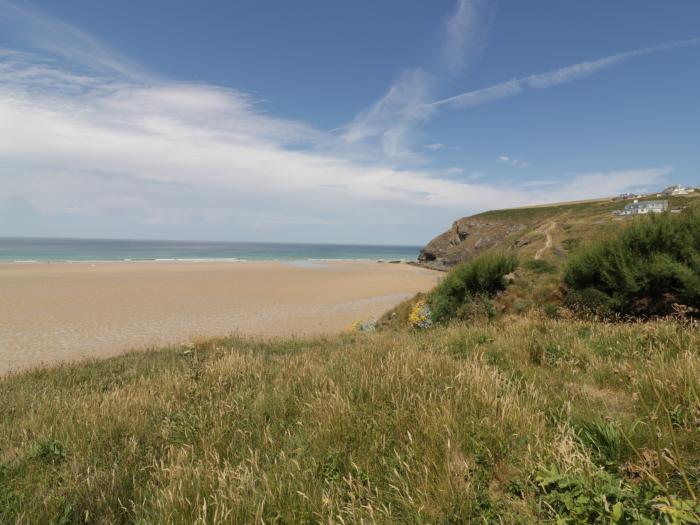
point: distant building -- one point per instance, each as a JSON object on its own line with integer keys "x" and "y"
{"x": 643, "y": 208}
{"x": 626, "y": 197}
{"x": 678, "y": 189}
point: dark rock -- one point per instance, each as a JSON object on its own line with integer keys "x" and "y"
{"x": 467, "y": 238}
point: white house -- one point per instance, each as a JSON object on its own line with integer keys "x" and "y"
{"x": 678, "y": 189}
{"x": 643, "y": 208}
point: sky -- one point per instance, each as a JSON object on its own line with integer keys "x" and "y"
{"x": 331, "y": 121}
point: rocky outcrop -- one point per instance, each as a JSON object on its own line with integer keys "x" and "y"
{"x": 467, "y": 238}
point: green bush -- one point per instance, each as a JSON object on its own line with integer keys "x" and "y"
{"x": 644, "y": 270}
{"x": 540, "y": 266}
{"x": 590, "y": 301}
{"x": 551, "y": 310}
{"x": 466, "y": 290}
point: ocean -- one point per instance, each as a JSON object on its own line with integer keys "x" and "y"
{"x": 69, "y": 250}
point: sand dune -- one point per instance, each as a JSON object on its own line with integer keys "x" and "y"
{"x": 68, "y": 311}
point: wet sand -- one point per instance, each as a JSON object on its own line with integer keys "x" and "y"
{"x": 52, "y": 312}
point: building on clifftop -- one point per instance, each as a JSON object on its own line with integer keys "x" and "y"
{"x": 678, "y": 189}
{"x": 643, "y": 208}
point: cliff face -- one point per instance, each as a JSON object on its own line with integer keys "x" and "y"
{"x": 534, "y": 232}
{"x": 467, "y": 238}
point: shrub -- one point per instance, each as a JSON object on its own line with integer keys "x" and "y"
{"x": 590, "y": 301}
{"x": 540, "y": 266}
{"x": 646, "y": 269}
{"x": 551, "y": 310}
{"x": 466, "y": 289}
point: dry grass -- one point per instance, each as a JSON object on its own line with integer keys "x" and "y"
{"x": 444, "y": 426}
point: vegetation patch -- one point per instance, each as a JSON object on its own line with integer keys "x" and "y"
{"x": 455, "y": 424}
{"x": 540, "y": 266}
{"x": 466, "y": 290}
{"x": 652, "y": 267}
{"x": 601, "y": 497}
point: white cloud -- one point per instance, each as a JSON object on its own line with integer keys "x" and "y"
{"x": 42, "y": 31}
{"x": 103, "y": 149}
{"x": 176, "y": 155}
{"x": 394, "y": 116}
{"x": 549, "y": 79}
{"x": 463, "y": 34}
{"x": 392, "y": 120}
{"x": 505, "y": 159}
{"x": 435, "y": 146}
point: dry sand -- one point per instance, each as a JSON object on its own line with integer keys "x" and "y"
{"x": 51, "y": 312}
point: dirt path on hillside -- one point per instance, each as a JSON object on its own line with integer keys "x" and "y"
{"x": 548, "y": 240}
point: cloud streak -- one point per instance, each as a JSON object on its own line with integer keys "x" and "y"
{"x": 44, "y": 32}
{"x": 551, "y": 78}
{"x": 92, "y": 146}
{"x": 393, "y": 119}
{"x": 463, "y": 35}
{"x": 126, "y": 158}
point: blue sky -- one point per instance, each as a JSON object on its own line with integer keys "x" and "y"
{"x": 329, "y": 121}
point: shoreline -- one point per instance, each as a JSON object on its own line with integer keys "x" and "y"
{"x": 55, "y": 312}
{"x": 201, "y": 260}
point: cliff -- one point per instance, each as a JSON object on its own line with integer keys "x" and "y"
{"x": 536, "y": 232}
{"x": 467, "y": 238}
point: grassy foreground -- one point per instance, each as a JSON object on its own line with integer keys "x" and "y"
{"x": 515, "y": 421}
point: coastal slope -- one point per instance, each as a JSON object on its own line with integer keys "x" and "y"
{"x": 535, "y": 232}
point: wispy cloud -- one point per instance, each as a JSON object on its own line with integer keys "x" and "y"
{"x": 464, "y": 33}
{"x": 137, "y": 155}
{"x": 173, "y": 156}
{"x": 395, "y": 116}
{"x": 551, "y": 78}
{"x": 44, "y": 32}
{"x": 505, "y": 159}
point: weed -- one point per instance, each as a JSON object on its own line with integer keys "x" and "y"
{"x": 50, "y": 451}
{"x": 540, "y": 266}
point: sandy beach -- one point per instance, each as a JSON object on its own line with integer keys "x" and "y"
{"x": 52, "y": 312}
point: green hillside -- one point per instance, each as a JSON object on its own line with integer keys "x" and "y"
{"x": 542, "y": 237}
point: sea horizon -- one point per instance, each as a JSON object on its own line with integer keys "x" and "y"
{"x": 63, "y": 249}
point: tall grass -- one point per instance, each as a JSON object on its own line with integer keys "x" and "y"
{"x": 648, "y": 268}
{"x": 453, "y": 425}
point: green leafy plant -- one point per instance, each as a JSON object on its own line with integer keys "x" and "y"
{"x": 649, "y": 268}
{"x": 599, "y": 497}
{"x": 50, "y": 451}
{"x": 466, "y": 289}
